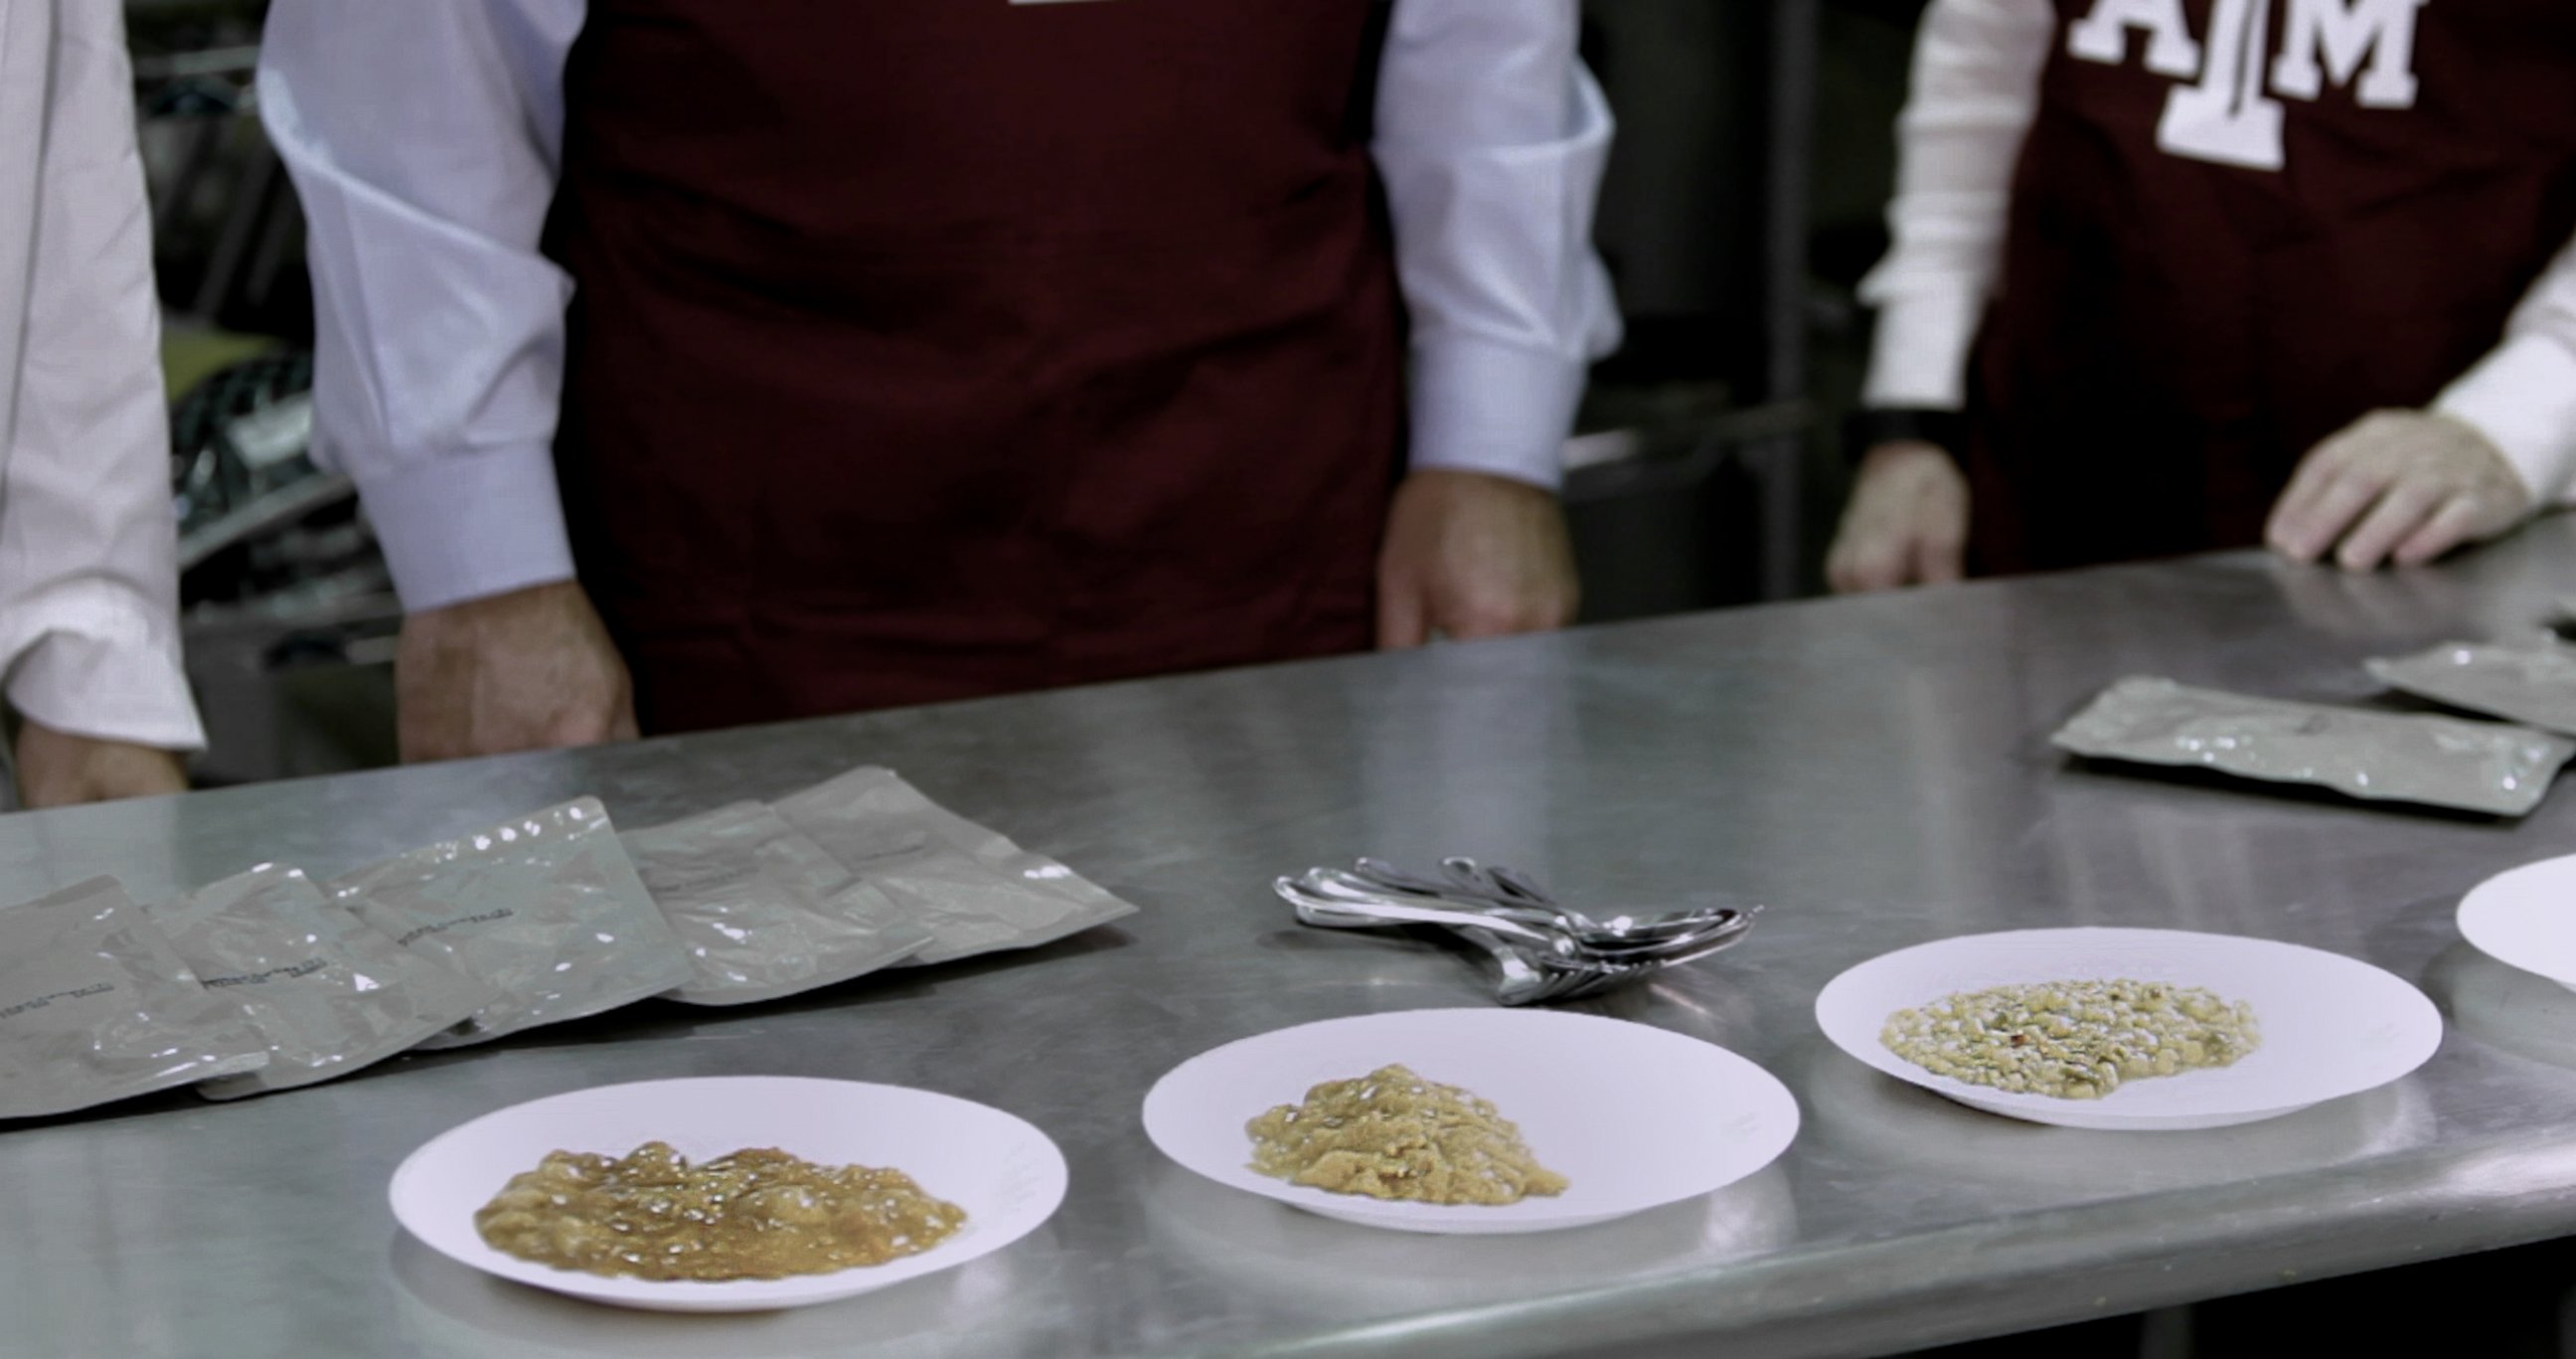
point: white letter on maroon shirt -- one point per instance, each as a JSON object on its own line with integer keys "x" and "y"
{"x": 2227, "y": 118}
{"x": 2103, "y": 36}
{"x": 2343, "y": 32}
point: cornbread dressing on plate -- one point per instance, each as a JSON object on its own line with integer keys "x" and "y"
{"x": 1393, "y": 1135}
{"x": 756, "y": 1214}
{"x": 2072, "y": 1039}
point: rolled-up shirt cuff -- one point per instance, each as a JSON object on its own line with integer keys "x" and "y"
{"x": 468, "y": 526}
{"x": 1479, "y": 406}
{"x": 2523, "y": 398}
{"x": 95, "y": 663}
{"x": 1919, "y": 358}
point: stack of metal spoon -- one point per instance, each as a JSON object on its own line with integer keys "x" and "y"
{"x": 1546, "y": 950}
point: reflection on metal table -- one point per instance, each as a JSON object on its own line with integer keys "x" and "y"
{"x": 1877, "y": 770}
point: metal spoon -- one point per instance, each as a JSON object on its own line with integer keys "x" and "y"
{"x": 1332, "y": 911}
{"x": 1526, "y": 981}
{"x": 1331, "y": 905}
{"x": 1507, "y": 884}
{"x": 1379, "y": 880}
{"x": 1507, "y": 889}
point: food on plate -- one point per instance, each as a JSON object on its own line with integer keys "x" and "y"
{"x": 1393, "y": 1135}
{"x": 2072, "y": 1039}
{"x": 756, "y": 1214}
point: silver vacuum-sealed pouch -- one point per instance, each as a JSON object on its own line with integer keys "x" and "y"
{"x": 2532, "y": 681}
{"x": 329, "y": 992}
{"x": 546, "y": 910}
{"x": 975, "y": 891}
{"x": 96, "y": 1006}
{"x": 763, "y": 911}
{"x": 2435, "y": 761}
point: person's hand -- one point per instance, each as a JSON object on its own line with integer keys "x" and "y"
{"x": 1906, "y": 524}
{"x": 2397, "y": 486}
{"x": 1469, "y": 555}
{"x": 57, "y": 768}
{"x": 527, "y": 670}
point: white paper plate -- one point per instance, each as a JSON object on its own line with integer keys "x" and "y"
{"x": 2527, "y": 918}
{"x": 1854, "y": 1107}
{"x": 2330, "y": 1025}
{"x": 1306, "y": 1264}
{"x": 1006, "y": 1174}
{"x": 1635, "y": 1117}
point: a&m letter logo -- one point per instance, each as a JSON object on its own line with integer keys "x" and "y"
{"x": 2231, "y": 112}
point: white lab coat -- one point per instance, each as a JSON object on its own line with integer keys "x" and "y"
{"x": 89, "y": 633}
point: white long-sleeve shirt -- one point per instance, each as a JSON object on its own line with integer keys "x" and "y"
{"x": 1977, "y": 66}
{"x": 424, "y": 138}
{"x": 89, "y": 629}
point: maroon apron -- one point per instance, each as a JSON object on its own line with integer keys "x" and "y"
{"x": 2201, "y": 283}
{"x": 925, "y": 349}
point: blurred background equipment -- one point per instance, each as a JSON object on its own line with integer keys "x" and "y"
{"x": 288, "y": 612}
{"x": 1742, "y": 203}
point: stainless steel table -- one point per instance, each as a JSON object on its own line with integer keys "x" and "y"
{"x": 1875, "y": 769}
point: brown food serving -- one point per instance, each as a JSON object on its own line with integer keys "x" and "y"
{"x": 756, "y": 1214}
{"x": 1393, "y": 1135}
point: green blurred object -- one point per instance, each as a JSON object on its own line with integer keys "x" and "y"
{"x": 191, "y": 354}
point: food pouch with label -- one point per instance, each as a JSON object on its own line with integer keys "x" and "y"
{"x": 2400, "y": 757}
{"x": 975, "y": 891}
{"x": 95, "y": 1006}
{"x": 762, "y": 910}
{"x": 328, "y": 991}
{"x": 546, "y": 910}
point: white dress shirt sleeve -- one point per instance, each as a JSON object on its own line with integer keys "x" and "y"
{"x": 2523, "y": 394}
{"x": 1977, "y": 66}
{"x": 88, "y": 539}
{"x": 1491, "y": 139}
{"x": 423, "y": 136}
